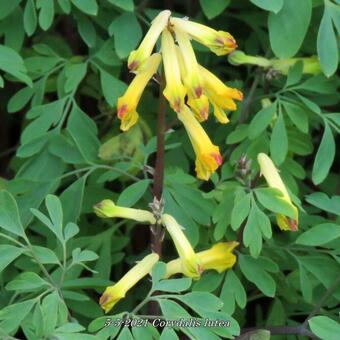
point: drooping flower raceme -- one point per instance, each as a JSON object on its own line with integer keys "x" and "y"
{"x": 127, "y": 104}
{"x": 219, "y": 257}
{"x": 208, "y": 157}
{"x": 107, "y": 209}
{"x": 271, "y": 175}
{"x": 113, "y": 294}
{"x": 190, "y": 263}
{"x": 186, "y": 82}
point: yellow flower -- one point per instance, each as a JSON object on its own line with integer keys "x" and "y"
{"x": 190, "y": 264}
{"x": 271, "y": 174}
{"x": 200, "y": 107}
{"x": 219, "y": 42}
{"x": 127, "y": 104}
{"x": 208, "y": 157}
{"x": 174, "y": 91}
{"x": 219, "y": 257}
{"x": 191, "y": 79}
{"x": 220, "y": 95}
{"x": 137, "y": 57}
{"x": 107, "y": 209}
{"x": 113, "y": 294}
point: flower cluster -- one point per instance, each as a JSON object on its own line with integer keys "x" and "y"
{"x": 191, "y": 264}
{"x": 189, "y": 89}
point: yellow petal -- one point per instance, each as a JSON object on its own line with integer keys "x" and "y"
{"x": 107, "y": 209}
{"x": 272, "y": 177}
{"x": 113, "y": 294}
{"x": 219, "y": 42}
{"x": 200, "y": 107}
{"x": 190, "y": 262}
{"x": 208, "y": 157}
{"x": 127, "y": 104}
{"x": 219, "y": 257}
{"x": 192, "y": 79}
{"x": 137, "y": 57}
{"x": 174, "y": 90}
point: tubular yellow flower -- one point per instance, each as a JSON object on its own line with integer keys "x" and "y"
{"x": 190, "y": 264}
{"x": 137, "y": 57}
{"x": 271, "y": 175}
{"x": 107, "y": 209}
{"x": 113, "y": 294}
{"x": 220, "y": 95}
{"x": 192, "y": 79}
{"x": 219, "y": 42}
{"x": 200, "y": 107}
{"x": 127, "y": 104}
{"x": 174, "y": 91}
{"x": 208, "y": 157}
{"x": 219, "y": 257}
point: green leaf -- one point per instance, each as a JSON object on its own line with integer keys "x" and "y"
{"x": 324, "y": 327}
{"x": 14, "y": 314}
{"x": 199, "y": 301}
{"x": 269, "y": 5}
{"x": 112, "y": 87}
{"x": 319, "y": 234}
{"x": 50, "y": 311}
{"x": 126, "y": 5}
{"x": 46, "y": 13}
{"x": 256, "y": 271}
{"x": 168, "y": 334}
{"x": 65, "y": 6}
{"x": 324, "y": 157}
{"x": 12, "y": 63}
{"x": 74, "y": 75}
{"x": 240, "y": 211}
{"x": 252, "y": 236}
{"x": 71, "y": 230}
{"x": 7, "y": 7}
{"x": 30, "y": 18}
{"x": 286, "y": 39}
{"x": 158, "y": 272}
{"x": 45, "y": 255}
{"x": 322, "y": 201}
{"x": 297, "y": 115}
{"x": 127, "y": 34}
{"x": 83, "y": 132}
{"x": 8, "y": 254}
{"x": 9, "y": 214}
{"x": 279, "y": 141}
{"x": 27, "y": 281}
{"x": 232, "y": 291}
{"x": 55, "y": 211}
{"x": 87, "y": 6}
{"x": 86, "y": 30}
{"x": 214, "y": 8}
{"x": 261, "y": 120}
{"x": 173, "y": 285}
{"x": 20, "y": 99}
{"x": 72, "y": 200}
{"x": 272, "y": 199}
{"x": 133, "y": 193}
{"x": 294, "y": 73}
{"x": 83, "y": 255}
{"x": 327, "y": 47}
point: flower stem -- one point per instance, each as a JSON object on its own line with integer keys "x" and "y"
{"x": 157, "y": 230}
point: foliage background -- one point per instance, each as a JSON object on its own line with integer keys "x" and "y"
{"x": 62, "y": 68}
